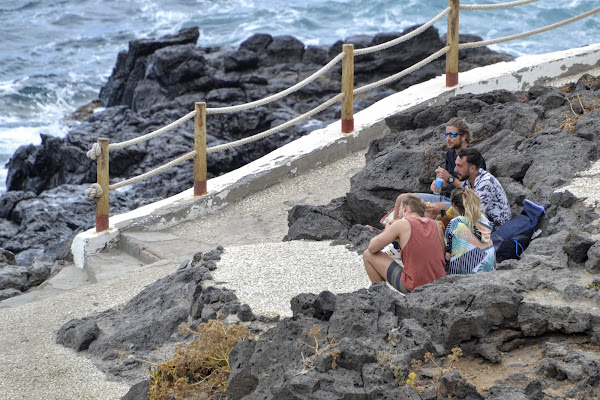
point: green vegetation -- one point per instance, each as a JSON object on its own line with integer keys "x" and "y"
{"x": 593, "y": 286}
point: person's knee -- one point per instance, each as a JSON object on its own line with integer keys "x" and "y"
{"x": 366, "y": 256}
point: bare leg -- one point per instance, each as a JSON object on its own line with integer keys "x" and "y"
{"x": 376, "y": 265}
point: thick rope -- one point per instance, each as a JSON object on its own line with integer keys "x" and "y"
{"x": 277, "y": 96}
{"x": 403, "y": 38}
{"x": 400, "y": 74}
{"x": 155, "y": 171}
{"x": 494, "y": 6}
{"x": 94, "y": 191}
{"x": 278, "y": 128}
{"x": 94, "y": 152}
{"x": 164, "y": 129}
{"x": 529, "y": 33}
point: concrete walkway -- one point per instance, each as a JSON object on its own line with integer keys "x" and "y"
{"x": 35, "y": 367}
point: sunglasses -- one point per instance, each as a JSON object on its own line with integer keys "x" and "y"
{"x": 453, "y": 134}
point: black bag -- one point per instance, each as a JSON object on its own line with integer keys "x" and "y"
{"x": 511, "y": 248}
{"x": 512, "y": 238}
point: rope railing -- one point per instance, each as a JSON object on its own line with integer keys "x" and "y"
{"x": 158, "y": 132}
{"x": 276, "y": 129}
{"x": 153, "y": 172}
{"x": 495, "y": 6}
{"x": 281, "y": 94}
{"x": 529, "y": 33}
{"x": 402, "y": 73}
{"x": 403, "y": 38}
{"x": 100, "y": 150}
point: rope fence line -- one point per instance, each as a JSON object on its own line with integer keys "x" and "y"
{"x": 100, "y": 150}
{"x": 153, "y": 172}
{"x": 278, "y": 128}
{"x": 148, "y": 136}
{"x": 529, "y": 33}
{"x": 403, "y": 38}
{"x": 400, "y": 74}
{"x": 495, "y": 6}
{"x": 281, "y": 94}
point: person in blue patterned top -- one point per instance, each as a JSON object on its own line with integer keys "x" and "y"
{"x": 469, "y": 248}
{"x": 493, "y": 198}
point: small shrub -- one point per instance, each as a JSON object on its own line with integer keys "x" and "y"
{"x": 319, "y": 344}
{"x": 411, "y": 377}
{"x": 453, "y": 358}
{"x": 569, "y": 121}
{"x": 593, "y": 286}
{"x": 199, "y": 369}
{"x": 400, "y": 372}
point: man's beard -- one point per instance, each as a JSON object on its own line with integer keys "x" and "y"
{"x": 461, "y": 177}
{"x": 457, "y": 146}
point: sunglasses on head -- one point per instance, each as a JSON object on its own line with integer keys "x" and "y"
{"x": 453, "y": 134}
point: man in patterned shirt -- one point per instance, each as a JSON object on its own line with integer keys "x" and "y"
{"x": 493, "y": 198}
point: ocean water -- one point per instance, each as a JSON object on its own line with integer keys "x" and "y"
{"x": 55, "y": 55}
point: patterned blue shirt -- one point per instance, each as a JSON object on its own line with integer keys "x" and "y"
{"x": 493, "y": 199}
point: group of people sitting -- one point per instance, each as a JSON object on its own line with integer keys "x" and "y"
{"x": 439, "y": 234}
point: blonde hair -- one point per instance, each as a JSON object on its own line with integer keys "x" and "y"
{"x": 467, "y": 202}
{"x": 415, "y": 203}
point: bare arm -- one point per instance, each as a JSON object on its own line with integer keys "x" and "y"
{"x": 392, "y": 232}
{"x": 442, "y": 236}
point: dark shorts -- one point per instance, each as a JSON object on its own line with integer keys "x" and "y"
{"x": 394, "y": 277}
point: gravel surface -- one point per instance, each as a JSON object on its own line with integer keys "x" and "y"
{"x": 267, "y": 276}
{"x": 34, "y": 366}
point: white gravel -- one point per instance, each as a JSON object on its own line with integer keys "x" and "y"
{"x": 586, "y": 185}
{"x": 267, "y": 276}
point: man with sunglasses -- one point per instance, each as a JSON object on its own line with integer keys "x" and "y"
{"x": 458, "y": 136}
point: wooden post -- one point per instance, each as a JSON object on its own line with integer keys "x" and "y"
{"x": 348, "y": 88}
{"x": 102, "y": 177}
{"x": 200, "y": 147}
{"x": 452, "y": 41}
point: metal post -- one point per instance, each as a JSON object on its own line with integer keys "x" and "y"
{"x": 452, "y": 41}
{"x": 200, "y": 147}
{"x": 102, "y": 177}
{"x": 348, "y": 88}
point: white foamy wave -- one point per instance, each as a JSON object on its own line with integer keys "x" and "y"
{"x": 11, "y": 139}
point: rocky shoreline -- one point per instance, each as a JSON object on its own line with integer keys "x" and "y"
{"x": 157, "y": 81}
{"x": 529, "y": 330}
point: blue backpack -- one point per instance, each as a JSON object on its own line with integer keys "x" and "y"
{"x": 512, "y": 238}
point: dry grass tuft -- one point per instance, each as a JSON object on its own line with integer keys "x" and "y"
{"x": 569, "y": 120}
{"x": 412, "y": 377}
{"x": 199, "y": 369}
{"x": 319, "y": 344}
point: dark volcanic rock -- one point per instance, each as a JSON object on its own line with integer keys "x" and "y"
{"x": 148, "y": 321}
{"x": 77, "y": 334}
{"x": 157, "y": 81}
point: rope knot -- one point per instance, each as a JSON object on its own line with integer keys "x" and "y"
{"x": 94, "y": 191}
{"x": 94, "y": 152}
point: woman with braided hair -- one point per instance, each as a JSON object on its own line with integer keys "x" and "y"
{"x": 469, "y": 248}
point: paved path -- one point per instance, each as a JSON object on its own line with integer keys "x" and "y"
{"x": 35, "y": 367}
